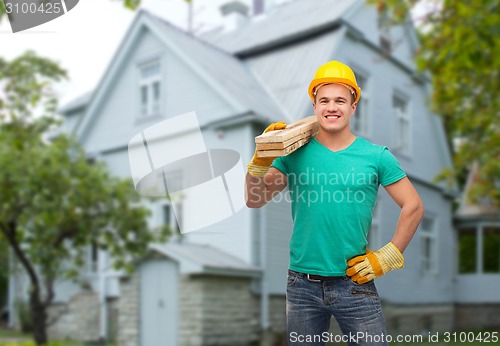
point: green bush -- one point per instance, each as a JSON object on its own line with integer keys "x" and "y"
{"x": 28, "y": 343}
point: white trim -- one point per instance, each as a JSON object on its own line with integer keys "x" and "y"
{"x": 366, "y": 128}
{"x": 406, "y": 116}
{"x": 429, "y": 265}
{"x": 149, "y": 82}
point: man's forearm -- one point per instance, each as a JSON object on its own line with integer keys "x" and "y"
{"x": 256, "y": 193}
{"x": 409, "y": 219}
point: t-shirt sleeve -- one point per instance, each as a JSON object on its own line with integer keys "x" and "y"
{"x": 281, "y": 164}
{"x": 389, "y": 170}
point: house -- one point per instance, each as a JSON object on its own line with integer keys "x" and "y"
{"x": 225, "y": 284}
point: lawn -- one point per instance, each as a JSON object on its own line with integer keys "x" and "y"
{"x": 14, "y": 338}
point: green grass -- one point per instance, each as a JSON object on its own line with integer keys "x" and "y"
{"x": 7, "y": 336}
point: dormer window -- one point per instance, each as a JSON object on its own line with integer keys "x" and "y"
{"x": 384, "y": 26}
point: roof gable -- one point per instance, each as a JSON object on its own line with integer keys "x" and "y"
{"x": 222, "y": 71}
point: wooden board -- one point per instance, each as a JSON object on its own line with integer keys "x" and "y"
{"x": 282, "y": 152}
{"x": 283, "y": 145}
{"x": 292, "y": 130}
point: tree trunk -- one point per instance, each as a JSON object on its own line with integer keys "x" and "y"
{"x": 38, "y": 318}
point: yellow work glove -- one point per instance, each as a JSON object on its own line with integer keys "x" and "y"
{"x": 367, "y": 267}
{"x": 259, "y": 166}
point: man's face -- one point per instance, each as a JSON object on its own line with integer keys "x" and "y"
{"x": 333, "y": 107}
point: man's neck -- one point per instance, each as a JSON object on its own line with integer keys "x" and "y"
{"x": 335, "y": 141}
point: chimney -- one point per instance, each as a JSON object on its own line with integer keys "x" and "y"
{"x": 263, "y": 6}
{"x": 235, "y": 15}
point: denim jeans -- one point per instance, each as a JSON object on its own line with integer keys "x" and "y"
{"x": 310, "y": 305}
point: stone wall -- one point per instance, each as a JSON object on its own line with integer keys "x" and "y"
{"x": 129, "y": 311}
{"x": 416, "y": 319}
{"x": 79, "y": 319}
{"x": 277, "y": 313}
{"x": 477, "y": 316}
{"x": 217, "y": 310}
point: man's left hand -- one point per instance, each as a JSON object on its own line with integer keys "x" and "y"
{"x": 372, "y": 265}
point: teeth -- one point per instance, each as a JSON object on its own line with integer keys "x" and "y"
{"x": 332, "y": 116}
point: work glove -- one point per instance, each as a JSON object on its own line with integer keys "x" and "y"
{"x": 372, "y": 265}
{"x": 259, "y": 166}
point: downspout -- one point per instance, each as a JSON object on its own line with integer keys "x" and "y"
{"x": 264, "y": 300}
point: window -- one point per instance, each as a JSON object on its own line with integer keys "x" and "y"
{"x": 374, "y": 234}
{"x": 92, "y": 258}
{"x": 467, "y": 251}
{"x": 402, "y": 116}
{"x": 491, "y": 250}
{"x": 360, "y": 121}
{"x": 428, "y": 245}
{"x": 486, "y": 240}
{"x": 384, "y": 26}
{"x": 150, "y": 89}
{"x": 169, "y": 218}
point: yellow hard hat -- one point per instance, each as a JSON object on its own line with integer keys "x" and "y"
{"x": 334, "y": 72}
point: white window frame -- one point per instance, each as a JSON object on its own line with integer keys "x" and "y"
{"x": 151, "y": 108}
{"x": 429, "y": 265}
{"x": 175, "y": 221}
{"x": 362, "y": 115}
{"x": 92, "y": 265}
{"x": 400, "y": 117}
{"x": 374, "y": 236}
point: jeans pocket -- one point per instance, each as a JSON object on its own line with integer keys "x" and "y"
{"x": 291, "y": 278}
{"x": 366, "y": 288}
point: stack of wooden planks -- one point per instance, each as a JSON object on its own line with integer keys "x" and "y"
{"x": 286, "y": 141}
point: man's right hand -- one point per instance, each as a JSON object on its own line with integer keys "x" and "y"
{"x": 259, "y": 166}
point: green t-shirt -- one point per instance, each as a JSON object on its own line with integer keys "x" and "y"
{"x": 333, "y": 195}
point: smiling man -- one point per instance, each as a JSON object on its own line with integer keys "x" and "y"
{"x": 333, "y": 183}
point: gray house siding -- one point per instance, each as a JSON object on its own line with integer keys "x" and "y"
{"x": 278, "y": 232}
{"x": 232, "y": 235}
{"x": 424, "y": 288}
{"x": 366, "y": 19}
{"x": 117, "y": 120}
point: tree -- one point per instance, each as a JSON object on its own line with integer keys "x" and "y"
{"x": 54, "y": 202}
{"x": 460, "y": 49}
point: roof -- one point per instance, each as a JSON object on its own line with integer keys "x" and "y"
{"x": 483, "y": 207}
{"x": 230, "y": 76}
{"x": 80, "y": 102}
{"x": 287, "y": 22}
{"x": 204, "y": 259}
{"x": 230, "y": 73}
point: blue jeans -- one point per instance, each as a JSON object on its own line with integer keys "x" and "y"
{"x": 310, "y": 305}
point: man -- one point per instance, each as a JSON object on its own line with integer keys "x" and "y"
{"x": 333, "y": 183}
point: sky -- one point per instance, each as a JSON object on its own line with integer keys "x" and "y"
{"x": 84, "y": 40}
